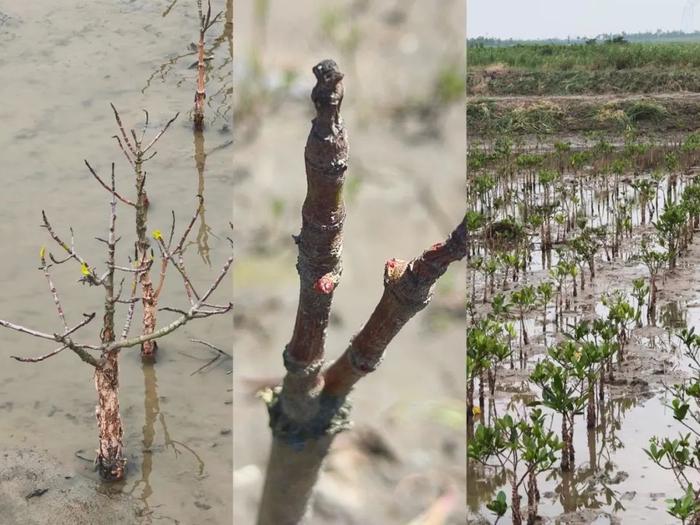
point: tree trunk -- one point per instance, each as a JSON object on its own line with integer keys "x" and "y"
{"x": 533, "y": 497}
{"x": 110, "y": 455}
{"x": 200, "y": 95}
{"x": 299, "y": 447}
{"x": 287, "y": 502}
{"x": 565, "y": 465}
{"x": 515, "y": 505}
{"x": 590, "y": 414}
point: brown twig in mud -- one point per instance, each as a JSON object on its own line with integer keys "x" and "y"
{"x": 110, "y": 459}
{"x": 205, "y": 22}
{"x": 135, "y": 152}
{"x": 310, "y": 407}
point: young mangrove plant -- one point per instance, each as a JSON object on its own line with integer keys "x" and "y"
{"x": 488, "y": 346}
{"x": 311, "y": 405}
{"x": 561, "y": 382}
{"x": 655, "y": 261}
{"x": 681, "y": 454}
{"x": 524, "y": 300}
{"x": 136, "y": 152}
{"x": 523, "y": 446}
{"x": 205, "y": 23}
{"x": 669, "y": 228}
{"x": 103, "y": 356}
{"x": 640, "y": 291}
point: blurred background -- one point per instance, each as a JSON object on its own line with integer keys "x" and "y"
{"x": 404, "y": 110}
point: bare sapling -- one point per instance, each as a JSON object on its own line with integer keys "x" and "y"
{"x": 103, "y": 355}
{"x": 137, "y": 154}
{"x": 205, "y": 22}
{"x": 311, "y": 405}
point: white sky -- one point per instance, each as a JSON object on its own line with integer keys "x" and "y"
{"x": 525, "y": 19}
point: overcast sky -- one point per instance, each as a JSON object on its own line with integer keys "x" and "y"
{"x": 524, "y": 19}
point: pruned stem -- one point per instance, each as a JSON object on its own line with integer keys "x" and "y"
{"x": 136, "y": 157}
{"x": 306, "y": 412}
{"x": 205, "y": 22}
{"x": 319, "y": 243}
{"x": 407, "y": 290}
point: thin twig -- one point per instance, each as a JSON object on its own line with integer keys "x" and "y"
{"x": 160, "y": 133}
{"x": 121, "y": 128}
{"x": 102, "y": 183}
{"x": 40, "y": 358}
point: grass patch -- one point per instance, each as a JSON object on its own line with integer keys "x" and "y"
{"x": 604, "y": 56}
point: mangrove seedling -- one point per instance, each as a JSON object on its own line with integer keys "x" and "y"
{"x": 205, "y": 22}
{"x": 136, "y": 152}
{"x": 103, "y": 356}
{"x": 523, "y": 446}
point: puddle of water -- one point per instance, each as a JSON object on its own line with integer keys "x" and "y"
{"x": 62, "y": 65}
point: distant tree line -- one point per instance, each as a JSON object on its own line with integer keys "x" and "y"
{"x": 618, "y": 38}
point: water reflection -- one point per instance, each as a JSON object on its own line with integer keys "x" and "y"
{"x": 152, "y": 413}
{"x": 219, "y": 67}
{"x": 200, "y": 158}
{"x": 151, "y": 407}
{"x": 609, "y": 476}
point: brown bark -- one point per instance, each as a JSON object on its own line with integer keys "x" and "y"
{"x": 303, "y": 421}
{"x": 407, "y": 290}
{"x": 205, "y": 22}
{"x": 590, "y": 409}
{"x": 110, "y": 460}
{"x": 148, "y": 296}
{"x": 110, "y": 455}
{"x": 533, "y": 497}
{"x": 565, "y": 457}
{"x": 297, "y": 454}
{"x": 319, "y": 242}
{"x": 200, "y": 95}
{"x": 515, "y": 504}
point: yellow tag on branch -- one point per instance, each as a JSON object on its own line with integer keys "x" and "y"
{"x": 157, "y": 235}
{"x": 84, "y": 269}
{"x": 42, "y": 252}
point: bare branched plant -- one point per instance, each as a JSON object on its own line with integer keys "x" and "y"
{"x": 311, "y": 405}
{"x": 137, "y": 154}
{"x": 103, "y": 355}
{"x": 205, "y": 22}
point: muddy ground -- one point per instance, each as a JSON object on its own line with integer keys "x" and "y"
{"x": 61, "y": 67}
{"x": 404, "y": 191}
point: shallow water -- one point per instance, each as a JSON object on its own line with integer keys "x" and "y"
{"x": 623, "y": 482}
{"x": 61, "y": 67}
